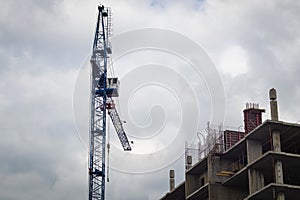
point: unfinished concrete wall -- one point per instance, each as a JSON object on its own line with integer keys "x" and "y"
{"x": 255, "y": 177}
{"x": 215, "y": 166}
{"x": 194, "y": 182}
{"x": 219, "y": 192}
{"x": 254, "y": 150}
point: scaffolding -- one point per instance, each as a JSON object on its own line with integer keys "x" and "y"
{"x": 209, "y": 142}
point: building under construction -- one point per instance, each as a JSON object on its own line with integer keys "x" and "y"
{"x": 261, "y": 163}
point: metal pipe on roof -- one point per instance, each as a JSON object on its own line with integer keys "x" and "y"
{"x": 273, "y": 104}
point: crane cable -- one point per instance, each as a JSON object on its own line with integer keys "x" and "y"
{"x": 108, "y": 150}
{"x": 112, "y": 74}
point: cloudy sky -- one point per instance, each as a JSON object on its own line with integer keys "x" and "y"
{"x": 44, "y": 46}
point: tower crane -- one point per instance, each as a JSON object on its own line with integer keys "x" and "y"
{"x": 103, "y": 90}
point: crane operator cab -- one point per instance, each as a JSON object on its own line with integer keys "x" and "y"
{"x": 112, "y": 87}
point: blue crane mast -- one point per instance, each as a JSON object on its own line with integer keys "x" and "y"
{"x": 103, "y": 90}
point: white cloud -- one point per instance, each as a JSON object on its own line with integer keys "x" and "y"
{"x": 233, "y": 61}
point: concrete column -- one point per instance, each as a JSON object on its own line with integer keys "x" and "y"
{"x": 189, "y": 161}
{"x": 172, "y": 180}
{"x": 278, "y": 170}
{"x": 274, "y": 110}
{"x": 278, "y": 163}
{"x": 280, "y": 196}
{"x": 276, "y": 141}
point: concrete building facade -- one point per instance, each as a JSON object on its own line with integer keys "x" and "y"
{"x": 263, "y": 165}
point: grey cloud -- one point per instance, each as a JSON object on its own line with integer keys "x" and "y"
{"x": 44, "y": 42}
{"x": 45, "y": 30}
